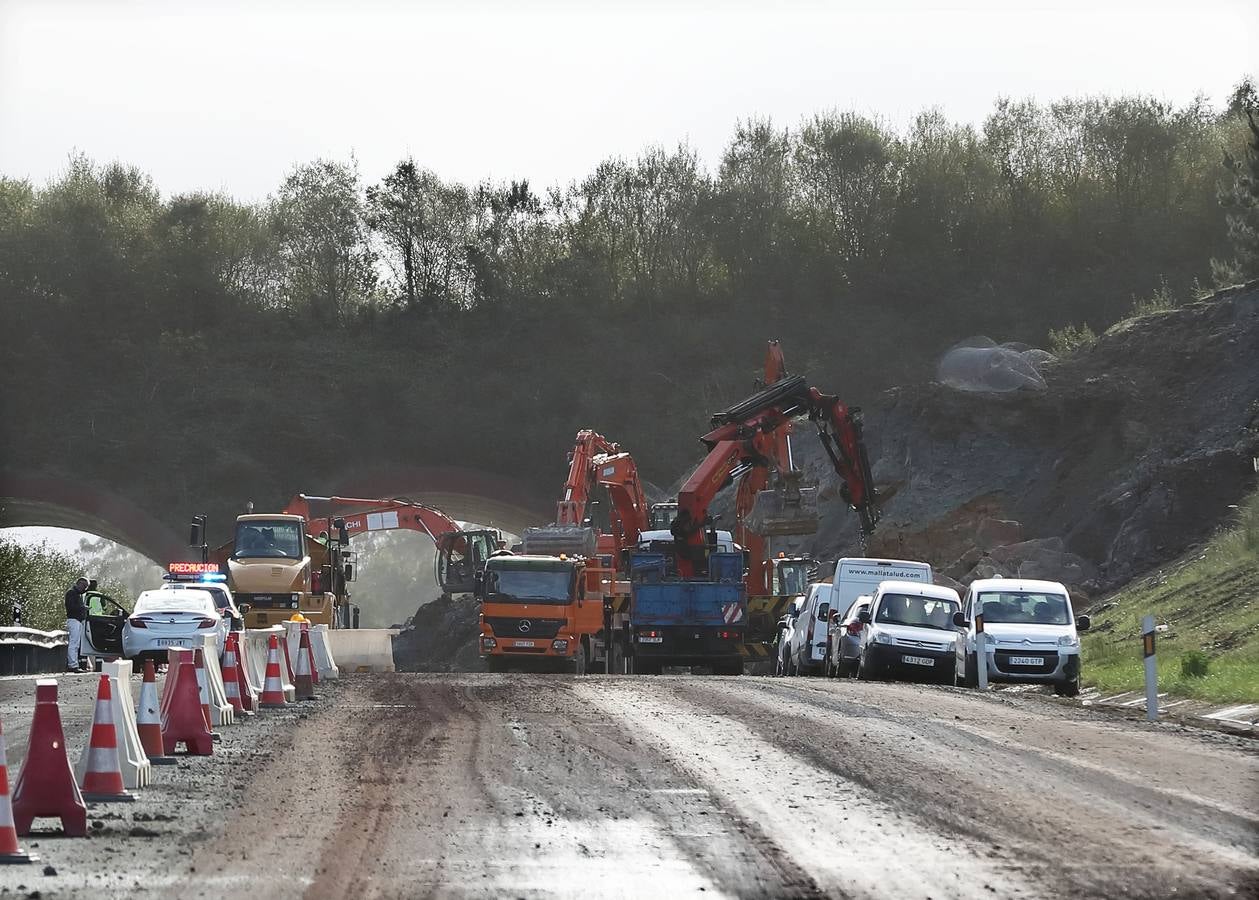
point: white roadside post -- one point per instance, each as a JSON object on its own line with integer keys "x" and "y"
{"x": 1151, "y": 669}
{"x": 981, "y": 652}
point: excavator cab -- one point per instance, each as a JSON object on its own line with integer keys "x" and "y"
{"x": 461, "y": 556}
{"x": 662, "y": 515}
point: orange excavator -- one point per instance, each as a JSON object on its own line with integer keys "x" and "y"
{"x": 687, "y": 605}
{"x": 564, "y": 600}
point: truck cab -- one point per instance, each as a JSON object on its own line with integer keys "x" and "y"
{"x": 541, "y": 608}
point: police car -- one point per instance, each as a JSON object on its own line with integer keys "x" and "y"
{"x": 192, "y": 604}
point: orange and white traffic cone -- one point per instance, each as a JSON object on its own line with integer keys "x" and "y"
{"x": 10, "y": 852}
{"x": 102, "y": 782}
{"x": 302, "y": 680}
{"x": 149, "y": 719}
{"x": 273, "y": 688}
{"x": 310, "y": 651}
{"x": 231, "y": 677}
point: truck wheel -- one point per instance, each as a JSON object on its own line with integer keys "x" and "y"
{"x": 643, "y": 666}
{"x": 729, "y": 667}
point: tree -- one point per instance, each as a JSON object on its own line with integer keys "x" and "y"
{"x": 1241, "y": 203}
{"x": 329, "y": 266}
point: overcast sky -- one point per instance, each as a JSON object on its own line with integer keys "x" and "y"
{"x": 228, "y": 96}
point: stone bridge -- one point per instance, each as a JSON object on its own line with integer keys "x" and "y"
{"x": 153, "y": 519}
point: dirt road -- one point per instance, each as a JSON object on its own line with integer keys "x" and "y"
{"x": 516, "y": 785}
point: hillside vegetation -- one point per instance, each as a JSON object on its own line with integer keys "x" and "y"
{"x": 1209, "y": 599}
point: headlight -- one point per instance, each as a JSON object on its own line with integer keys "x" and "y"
{"x": 1068, "y": 640}
{"x": 293, "y": 600}
{"x": 881, "y": 638}
{"x": 488, "y": 643}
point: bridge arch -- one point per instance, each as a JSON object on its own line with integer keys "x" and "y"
{"x": 66, "y": 503}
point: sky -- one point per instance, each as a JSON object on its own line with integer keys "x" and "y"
{"x": 229, "y": 96}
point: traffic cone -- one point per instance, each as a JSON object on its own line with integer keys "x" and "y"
{"x": 183, "y": 719}
{"x": 310, "y": 651}
{"x": 149, "y": 719}
{"x": 273, "y": 690}
{"x": 303, "y": 682}
{"x": 102, "y": 782}
{"x": 10, "y": 852}
{"x": 45, "y": 786}
{"x": 231, "y": 675}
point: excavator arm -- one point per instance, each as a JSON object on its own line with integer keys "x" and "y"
{"x": 753, "y": 435}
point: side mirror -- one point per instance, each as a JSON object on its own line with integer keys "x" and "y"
{"x": 1082, "y": 623}
{"x": 244, "y": 608}
{"x": 196, "y": 533}
{"x": 349, "y": 572}
{"x": 959, "y": 619}
{"x": 863, "y": 616}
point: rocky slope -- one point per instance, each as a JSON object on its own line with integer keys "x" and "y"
{"x": 1136, "y": 449}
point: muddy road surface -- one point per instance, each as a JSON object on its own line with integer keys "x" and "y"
{"x": 524, "y": 785}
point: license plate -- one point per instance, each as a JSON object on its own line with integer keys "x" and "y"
{"x": 651, "y": 640}
{"x": 524, "y": 644}
{"x": 1026, "y": 661}
{"x": 918, "y": 660}
{"x": 172, "y": 642}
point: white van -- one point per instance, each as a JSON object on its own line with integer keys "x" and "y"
{"x": 1031, "y": 634}
{"x": 856, "y": 576}
{"x": 807, "y": 654}
{"x": 908, "y": 629}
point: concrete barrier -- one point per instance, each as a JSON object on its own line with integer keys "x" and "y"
{"x": 362, "y": 649}
{"x": 221, "y": 712}
{"x": 28, "y": 651}
{"x": 258, "y": 639}
{"x": 324, "y": 660}
{"x": 132, "y": 760}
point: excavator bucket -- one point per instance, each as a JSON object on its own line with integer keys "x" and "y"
{"x": 553, "y": 540}
{"x": 787, "y": 508}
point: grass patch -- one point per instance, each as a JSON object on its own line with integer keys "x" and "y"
{"x": 1209, "y": 599}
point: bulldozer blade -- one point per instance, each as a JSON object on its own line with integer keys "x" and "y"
{"x": 552, "y": 540}
{"x": 777, "y": 512}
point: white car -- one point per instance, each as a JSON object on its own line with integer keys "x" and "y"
{"x": 808, "y": 639}
{"x": 785, "y": 626}
{"x": 223, "y": 599}
{"x": 909, "y": 629}
{"x": 163, "y": 619}
{"x": 1031, "y": 634}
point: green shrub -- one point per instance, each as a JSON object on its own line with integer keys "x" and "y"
{"x": 1162, "y": 300}
{"x": 1070, "y": 338}
{"x": 1194, "y": 664}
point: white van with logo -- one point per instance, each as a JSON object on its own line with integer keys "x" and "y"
{"x": 856, "y": 577}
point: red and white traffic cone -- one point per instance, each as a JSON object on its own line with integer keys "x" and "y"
{"x": 45, "y": 786}
{"x": 102, "y": 782}
{"x": 149, "y": 719}
{"x": 10, "y": 852}
{"x": 302, "y": 680}
{"x": 183, "y": 720}
{"x": 273, "y": 689}
{"x": 231, "y": 677}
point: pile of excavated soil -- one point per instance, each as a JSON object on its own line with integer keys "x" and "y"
{"x": 1133, "y": 451}
{"x": 441, "y": 637}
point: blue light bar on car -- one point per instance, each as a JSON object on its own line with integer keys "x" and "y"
{"x": 214, "y": 576}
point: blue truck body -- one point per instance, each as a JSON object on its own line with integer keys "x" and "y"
{"x": 694, "y": 621}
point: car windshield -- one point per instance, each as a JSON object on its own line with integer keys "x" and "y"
{"x": 921, "y": 612}
{"x": 525, "y": 585}
{"x": 268, "y": 539}
{"x": 1025, "y": 608}
{"x": 174, "y": 601}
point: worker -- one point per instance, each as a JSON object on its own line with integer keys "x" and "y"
{"x": 76, "y": 615}
{"x": 502, "y": 550}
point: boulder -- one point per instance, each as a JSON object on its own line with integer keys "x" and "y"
{"x": 945, "y": 581}
{"x": 1015, "y": 553}
{"x": 963, "y": 564}
{"x": 993, "y": 533}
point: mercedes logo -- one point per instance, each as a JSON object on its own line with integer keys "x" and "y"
{"x": 524, "y": 626}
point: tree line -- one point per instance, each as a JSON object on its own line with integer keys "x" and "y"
{"x": 841, "y": 207}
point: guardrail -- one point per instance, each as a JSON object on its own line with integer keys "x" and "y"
{"x": 28, "y": 651}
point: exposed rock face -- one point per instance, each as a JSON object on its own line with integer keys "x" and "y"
{"x": 1134, "y": 452}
